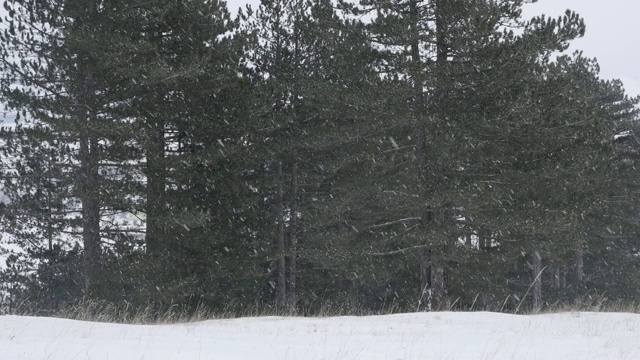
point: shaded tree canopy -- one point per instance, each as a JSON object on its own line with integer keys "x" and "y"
{"x": 306, "y": 154}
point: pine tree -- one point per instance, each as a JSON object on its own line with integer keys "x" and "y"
{"x": 157, "y": 130}
{"x": 313, "y": 74}
{"x": 47, "y": 54}
{"x": 456, "y": 69}
{"x": 178, "y": 79}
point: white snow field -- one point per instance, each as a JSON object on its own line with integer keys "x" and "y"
{"x": 424, "y": 336}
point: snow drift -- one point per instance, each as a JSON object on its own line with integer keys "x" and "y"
{"x": 406, "y": 336}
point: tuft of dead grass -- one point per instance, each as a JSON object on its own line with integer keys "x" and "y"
{"x": 592, "y": 303}
{"x": 101, "y": 311}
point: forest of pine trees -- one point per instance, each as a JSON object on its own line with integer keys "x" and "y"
{"x": 363, "y": 155}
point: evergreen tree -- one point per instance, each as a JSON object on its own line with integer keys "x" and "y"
{"x": 177, "y": 78}
{"x": 308, "y": 156}
{"x": 456, "y": 69}
{"x": 313, "y": 75}
{"x": 47, "y": 54}
{"x": 118, "y": 85}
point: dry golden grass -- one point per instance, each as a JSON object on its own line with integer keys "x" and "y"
{"x": 92, "y": 310}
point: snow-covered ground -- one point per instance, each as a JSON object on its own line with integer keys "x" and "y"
{"x": 423, "y": 336}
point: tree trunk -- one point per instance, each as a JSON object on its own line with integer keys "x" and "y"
{"x": 426, "y": 294}
{"x": 90, "y": 209}
{"x": 579, "y": 265}
{"x": 558, "y": 275}
{"x": 89, "y": 167}
{"x": 432, "y": 296}
{"x": 437, "y": 280}
{"x": 555, "y": 276}
{"x": 281, "y": 295}
{"x": 293, "y": 236}
{"x": 537, "y": 282}
{"x": 436, "y": 266}
{"x": 424, "y": 253}
{"x": 155, "y": 190}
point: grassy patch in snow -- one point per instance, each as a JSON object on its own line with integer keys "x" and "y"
{"x": 100, "y": 311}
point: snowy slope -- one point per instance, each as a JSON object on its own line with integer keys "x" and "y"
{"x": 407, "y": 336}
